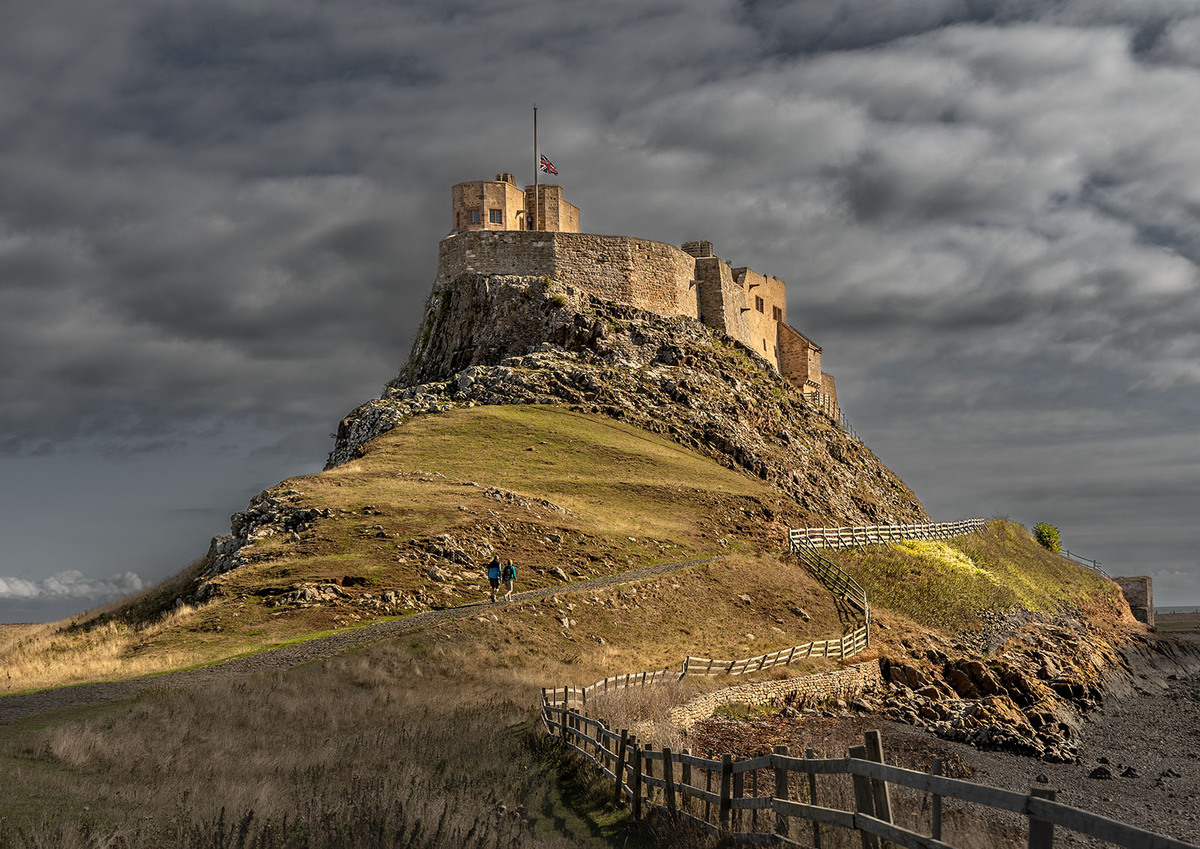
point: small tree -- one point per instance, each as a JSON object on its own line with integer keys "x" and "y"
{"x": 1047, "y": 535}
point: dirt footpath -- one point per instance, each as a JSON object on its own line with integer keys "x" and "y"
{"x": 21, "y": 705}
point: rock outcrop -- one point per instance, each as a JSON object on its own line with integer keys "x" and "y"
{"x": 1030, "y": 696}
{"x": 517, "y": 340}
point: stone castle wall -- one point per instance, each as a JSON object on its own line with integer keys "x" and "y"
{"x": 1139, "y": 593}
{"x": 653, "y": 276}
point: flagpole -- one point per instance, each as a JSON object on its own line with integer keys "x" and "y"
{"x": 536, "y": 167}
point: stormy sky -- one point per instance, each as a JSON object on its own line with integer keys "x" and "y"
{"x": 219, "y": 221}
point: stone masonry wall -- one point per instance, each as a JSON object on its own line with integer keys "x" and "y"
{"x": 653, "y": 276}
{"x": 766, "y": 300}
{"x": 799, "y": 359}
{"x": 721, "y": 300}
{"x": 848, "y": 683}
{"x": 501, "y": 253}
{"x": 1139, "y": 592}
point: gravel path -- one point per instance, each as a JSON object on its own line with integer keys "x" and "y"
{"x": 23, "y": 705}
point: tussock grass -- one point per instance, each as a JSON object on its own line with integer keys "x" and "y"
{"x": 70, "y": 652}
{"x": 365, "y": 751}
{"x": 948, "y": 584}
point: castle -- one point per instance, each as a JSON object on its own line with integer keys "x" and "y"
{"x": 494, "y": 233}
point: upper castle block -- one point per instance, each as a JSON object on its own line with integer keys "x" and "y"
{"x": 494, "y": 233}
{"x": 499, "y": 205}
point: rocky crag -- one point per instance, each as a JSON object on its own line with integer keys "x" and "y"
{"x": 522, "y": 340}
{"x": 1031, "y": 693}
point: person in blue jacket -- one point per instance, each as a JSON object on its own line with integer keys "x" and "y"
{"x": 508, "y": 574}
{"x": 493, "y": 573}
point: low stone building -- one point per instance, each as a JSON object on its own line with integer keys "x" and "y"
{"x": 497, "y": 229}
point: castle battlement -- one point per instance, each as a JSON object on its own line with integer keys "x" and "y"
{"x": 691, "y": 281}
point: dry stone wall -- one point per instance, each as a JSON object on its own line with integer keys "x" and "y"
{"x": 848, "y": 683}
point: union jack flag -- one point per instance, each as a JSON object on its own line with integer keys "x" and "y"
{"x": 548, "y": 166}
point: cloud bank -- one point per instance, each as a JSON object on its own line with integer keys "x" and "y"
{"x": 70, "y": 584}
{"x": 220, "y": 221}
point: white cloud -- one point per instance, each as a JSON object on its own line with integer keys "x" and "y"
{"x": 70, "y": 584}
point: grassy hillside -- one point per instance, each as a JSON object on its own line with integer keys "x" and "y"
{"x": 482, "y": 475}
{"x": 430, "y": 739}
{"x": 947, "y": 585}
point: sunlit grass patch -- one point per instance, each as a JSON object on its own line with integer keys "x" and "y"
{"x": 941, "y": 555}
{"x": 947, "y": 584}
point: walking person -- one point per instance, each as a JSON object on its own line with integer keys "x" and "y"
{"x": 508, "y": 574}
{"x": 493, "y": 573}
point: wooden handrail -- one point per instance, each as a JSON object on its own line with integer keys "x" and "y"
{"x": 1039, "y": 811}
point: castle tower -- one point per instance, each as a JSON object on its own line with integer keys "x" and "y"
{"x": 499, "y": 205}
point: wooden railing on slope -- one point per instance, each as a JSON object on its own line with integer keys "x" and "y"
{"x": 875, "y": 534}
{"x": 847, "y": 645}
{"x": 713, "y": 793}
{"x": 827, "y": 405}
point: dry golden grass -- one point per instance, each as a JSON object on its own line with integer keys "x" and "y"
{"x": 58, "y": 654}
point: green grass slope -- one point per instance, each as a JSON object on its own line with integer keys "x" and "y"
{"x": 948, "y": 585}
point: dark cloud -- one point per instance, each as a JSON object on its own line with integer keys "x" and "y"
{"x": 220, "y": 222}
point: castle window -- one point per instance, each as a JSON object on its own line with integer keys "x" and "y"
{"x": 759, "y": 304}
{"x": 496, "y": 216}
{"x": 472, "y": 216}
{"x": 777, "y": 313}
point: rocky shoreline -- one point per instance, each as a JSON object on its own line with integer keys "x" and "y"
{"x": 1136, "y": 753}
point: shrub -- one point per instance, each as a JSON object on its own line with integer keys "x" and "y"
{"x": 1047, "y": 535}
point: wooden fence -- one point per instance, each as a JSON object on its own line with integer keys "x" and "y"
{"x": 827, "y": 405}
{"x": 835, "y": 579}
{"x": 875, "y": 534}
{"x": 847, "y": 645}
{"x": 1094, "y": 565}
{"x": 842, "y": 647}
{"x": 774, "y": 798}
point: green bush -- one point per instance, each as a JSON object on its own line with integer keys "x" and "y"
{"x": 1047, "y": 535}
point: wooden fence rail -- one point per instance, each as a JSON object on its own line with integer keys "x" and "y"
{"x": 712, "y": 793}
{"x": 827, "y": 405}
{"x": 875, "y": 534}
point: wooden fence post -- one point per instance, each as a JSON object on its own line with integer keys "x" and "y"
{"x": 1041, "y": 833}
{"x": 739, "y": 792}
{"x": 562, "y": 722}
{"x": 726, "y": 775}
{"x": 648, "y": 764}
{"x": 879, "y": 789}
{"x": 685, "y": 778}
{"x": 936, "y": 814}
{"x": 669, "y": 779}
{"x": 708, "y": 788}
{"x": 620, "y": 767}
{"x": 782, "y": 823}
{"x": 635, "y": 760}
{"x": 812, "y": 799}
{"x": 864, "y": 801}
{"x": 754, "y": 795}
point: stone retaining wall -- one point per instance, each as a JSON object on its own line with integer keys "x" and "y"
{"x": 848, "y": 683}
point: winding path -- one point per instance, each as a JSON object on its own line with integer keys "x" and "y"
{"x": 22, "y": 705}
